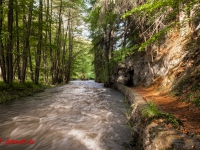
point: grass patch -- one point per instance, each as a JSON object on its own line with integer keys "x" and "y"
{"x": 196, "y": 101}
{"x": 151, "y": 112}
{"x": 17, "y": 90}
{"x": 128, "y": 113}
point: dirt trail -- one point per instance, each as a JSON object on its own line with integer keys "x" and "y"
{"x": 187, "y": 113}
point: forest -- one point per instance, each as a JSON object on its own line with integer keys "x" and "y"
{"x": 126, "y": 28}
{"x": 41, "y": 41}
{"x": 53, "y": 42}
{"x": 149, "y": 47}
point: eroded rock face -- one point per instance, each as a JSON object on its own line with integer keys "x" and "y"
{"x": 134, "y": 72}
{"x": 168, "y": 63}
{"x": 120, "y": 75}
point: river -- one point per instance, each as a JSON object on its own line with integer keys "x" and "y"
{"x": 81, "y": 115}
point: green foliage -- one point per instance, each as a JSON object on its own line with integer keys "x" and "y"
{"x": 18, "y": 86}
{"x": 155, "y": 37}
{"x": 82, "y": 65}
{"x": 169, "y": 118}
{"x": 128, "y": 113}
{"x": 4, "y": 34}
{"x": 17, "y": 90}
{"x": 119, "y": 55}
{"x": 188, "y": 87}
{"x": 196, "y": 101}
{"x": 151, "y": 6}
{"x": 151, "y": 10}
{"x": 3, "y": 86}
{"x": 152, "y": 112}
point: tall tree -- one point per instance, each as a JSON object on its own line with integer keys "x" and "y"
{"x": 9, "y": 50}
{"x": 39, "y": 46}
{"x": 24, "y": 53}
{"x": 57, "y": 75}
{"x": 17, "y": 40}
{"x": 27, "y": 41}
{"x": 2, "y": 57}
{"x": 70, "y": 47}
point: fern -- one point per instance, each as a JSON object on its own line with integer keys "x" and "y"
{"x": 150, "y": 6}
{"x": 150, "y": 110}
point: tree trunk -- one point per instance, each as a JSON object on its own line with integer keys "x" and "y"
{"x": 39, "y": 47}
{"x": 17, "y": 42}
{"x": 46, "y": 41}
{"x": 50, "y": 41}
{"x": 57, "y": 75}
{"x": 2, "y": 58}
{"x": 64, "y": 63}
{"x": 111, "y": 41}
{"x": 30, "y": 64}
{"x": 70, "y": 48}
{"x": 26, "y": 50}
{"x": 106, "y": 55}
{"x": 9, "y": 54}
{"x": 125, "y": 33}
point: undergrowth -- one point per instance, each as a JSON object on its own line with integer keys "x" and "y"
{"x": 196, "y": 101}
{"x": 131, "y": 143}
{"x": 17, "y": 90}
{"x": 152, "y": 112}
{"x": 128, "y": 113}
{"x": 188, "y": 88}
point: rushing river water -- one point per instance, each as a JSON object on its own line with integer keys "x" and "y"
{"x": 81, "y": 115}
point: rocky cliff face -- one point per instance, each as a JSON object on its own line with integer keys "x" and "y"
{"x": 172, "y": 63}
{"x": 166, "y": 65}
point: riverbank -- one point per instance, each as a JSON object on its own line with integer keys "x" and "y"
{"x": 186, "y": 112}
{"x": 18, "y": 90}
{"x": 152, "y": 128}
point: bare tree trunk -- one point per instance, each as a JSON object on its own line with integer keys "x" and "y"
{"x": 106, "y": 55}
{"x": 64, "y": 63}
{"x": 98, "y": 63}
{"x": 26, "y": 50}
{"x": 57, "y": 75}
{"x": 17, "y": 43}
{"x": 2, "y": 58}
{"x": 45, "y": 40}
{"x": 111, "y": 41}
{"x": 50, "y": 41}
{"x": 70, "y": 48}
{"x": 30, "y": 64}
{"x": 125, "y": 33}
{"x": 39, "y": 47}
{"x": 9, "y": 54}
{"x": 24, "y": 53}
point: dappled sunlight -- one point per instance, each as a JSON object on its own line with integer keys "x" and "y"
{"x": 186, "y": 112}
